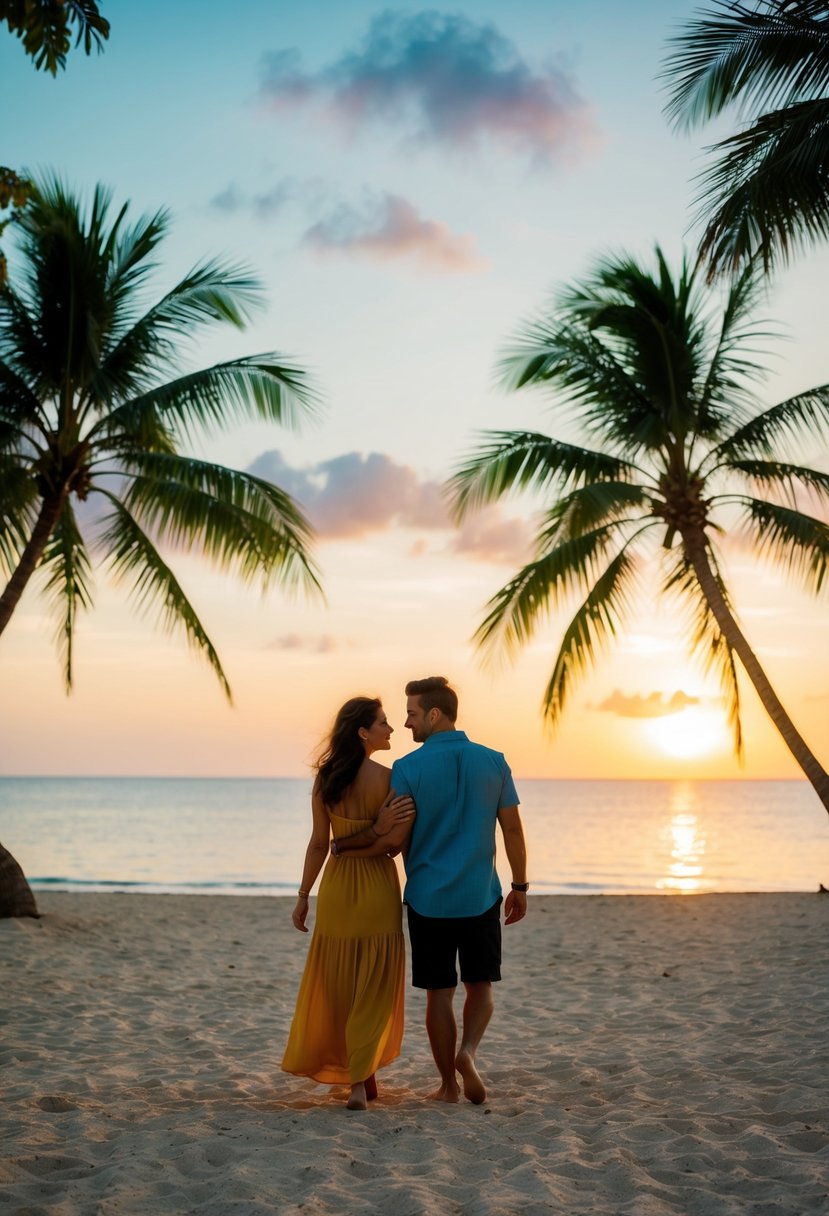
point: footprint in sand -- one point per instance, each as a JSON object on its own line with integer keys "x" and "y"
{"x": 56, "y": 1102}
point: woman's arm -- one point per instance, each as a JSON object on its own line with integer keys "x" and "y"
{"x": 393, "y": 842}
{"x": 390, "y": 829}
{"x": 315, "y": 856}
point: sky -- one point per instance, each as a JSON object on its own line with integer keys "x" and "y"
{"x": 409, "y": 184}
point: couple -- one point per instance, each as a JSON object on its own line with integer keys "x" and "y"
{"x": 439, "y": 805}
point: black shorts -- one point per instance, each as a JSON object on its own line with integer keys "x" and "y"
{"x": 437, "y": 941}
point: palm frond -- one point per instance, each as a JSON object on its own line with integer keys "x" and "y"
{"x": 594, "y": 624}
{"x": 650, "y": 320}
{"x": 527, "y": 599}
{"x": 46, "y": 29}
{"x": 630, "y": 350}
{"x": 63, "y": 264}
{"x": 253, "y": 386}
{"x": 805, "y": 416}
{"x": 18, "y": 404}
{"x": 797, "y": 542}
{"x": 21, "y": 348}
{"x": 767, "y": 194}
{"x": 134, "y": 557}
{"x": 240, "y": 522}
{"x": 67, "y": 567}
{"x": 212, "y": 292}
{"x": 724, "y": 398}
{"x": 588, "y": 377}
{"x": 127, "y": 253}
{"x": 18, "y": 498}
{"x": 771, "y": 55}
{"x": 592, "y": 506}
{"x": 785, "y": 477}
{"x": 525, "y": 460}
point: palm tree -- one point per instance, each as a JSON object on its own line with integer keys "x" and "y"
{"x": 662, "y": 383}
{"x": 767, "y": 191}
{"x": 46, "y": 27}
{"x": 95, "y": 406}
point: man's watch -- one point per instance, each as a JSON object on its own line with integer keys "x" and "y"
{"x": 335, "y": 848}
{"x": 520, "y": 886}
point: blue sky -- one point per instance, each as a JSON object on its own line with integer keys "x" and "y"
{"x": 409, "y": 183}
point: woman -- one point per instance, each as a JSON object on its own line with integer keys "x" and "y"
{"x": 349, "y": 1012}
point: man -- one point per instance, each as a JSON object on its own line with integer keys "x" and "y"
{"x": 453, "y": 894}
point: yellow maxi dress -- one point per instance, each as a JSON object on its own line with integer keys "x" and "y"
{"x": 349, "y": 1011}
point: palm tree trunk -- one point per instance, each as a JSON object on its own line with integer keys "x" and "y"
{"x": 44, "y": 526}
{"x": 16, "y": 898}
{"x": 696, "y": 549}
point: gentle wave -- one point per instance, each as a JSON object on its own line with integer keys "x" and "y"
{"x": 58, "y": 883}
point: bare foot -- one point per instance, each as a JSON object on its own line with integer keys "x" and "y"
{"x": 371, "y": 1087}
{"x": 358, "y": 1100}
{"x": 474, "y": 1089}
{"x": 448, "y": 1092}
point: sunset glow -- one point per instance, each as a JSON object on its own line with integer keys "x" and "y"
{"x": 689, "y": 734}
{"x": 407, "y": 185}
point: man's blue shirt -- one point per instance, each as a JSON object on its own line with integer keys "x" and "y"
{"x": 458, "y": 787}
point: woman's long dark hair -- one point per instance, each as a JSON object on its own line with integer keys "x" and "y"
{"x": 343, "y": 753}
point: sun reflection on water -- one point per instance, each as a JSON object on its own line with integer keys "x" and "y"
{"x": 685, "y": 843}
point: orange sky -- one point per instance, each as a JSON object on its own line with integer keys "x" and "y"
{"x": 397, "y": 253}
{"x": 144, "y": 704}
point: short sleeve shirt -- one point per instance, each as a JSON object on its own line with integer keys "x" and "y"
{"x": 458, "y": 787}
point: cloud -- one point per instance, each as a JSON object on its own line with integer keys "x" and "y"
{"x": 263, "y": 205}
{"x": 228, "y": 200}
{"x": 447, "y": 80}
{"x": 390, "y": 227}
{"x": 354, "y": 495}
{"x": 490, "y": 537}
{"x": 385, "y": 227}
{"x": 322, "y": 644}
{"x": 651, "y": 706}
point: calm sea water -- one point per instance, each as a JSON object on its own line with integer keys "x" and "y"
{"x": 211, "y": 836}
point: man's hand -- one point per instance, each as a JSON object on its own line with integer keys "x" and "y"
{"x": 515, "y": 907}
{"x": 395, "y": 812}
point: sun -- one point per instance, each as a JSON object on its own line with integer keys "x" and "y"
{"x": 689, "y": 734}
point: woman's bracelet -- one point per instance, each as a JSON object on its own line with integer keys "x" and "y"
{"x": 303, "y": 894}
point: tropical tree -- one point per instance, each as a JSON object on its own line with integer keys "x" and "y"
{"x": 663, "y": 385}
{"x": 14, "y": 194}
{"x": 96, "y": 407}
{"x": 45, "y": 28}
{"x": 767, "y": 190}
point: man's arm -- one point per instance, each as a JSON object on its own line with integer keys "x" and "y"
{"x": 515, "y": 905}
{"x": 390, "y": 830}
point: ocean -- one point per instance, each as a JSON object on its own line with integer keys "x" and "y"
{"x": 248, "y": 837}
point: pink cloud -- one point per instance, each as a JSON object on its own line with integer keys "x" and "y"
{"x": 354, "y": 495}
{"x": 445, "y": 80}
{"x": 490, "y": 537}
{"x": 392, "y": 228}
{"x": 652, "y": 706}
{"x": 322, "y": 644}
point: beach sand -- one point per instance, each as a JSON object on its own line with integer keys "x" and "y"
{"x": 648, "y": 1055}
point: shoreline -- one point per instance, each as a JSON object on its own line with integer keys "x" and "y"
{"x": 648, "y": 1056}
{"x": 84, "y": 889}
